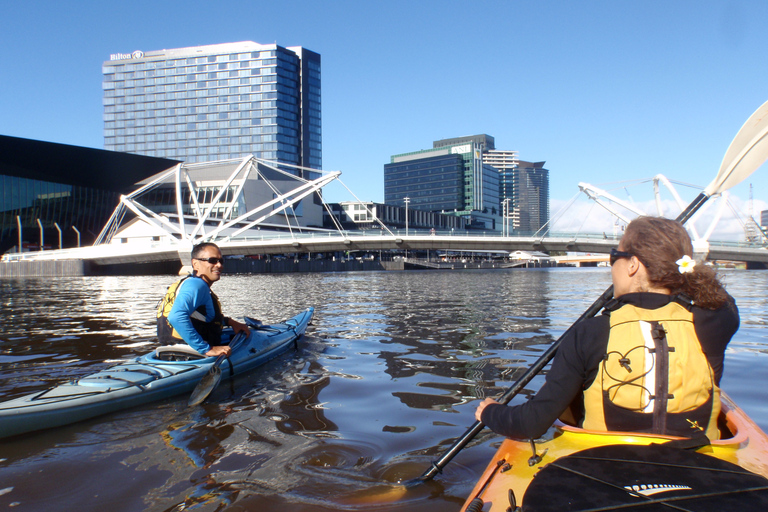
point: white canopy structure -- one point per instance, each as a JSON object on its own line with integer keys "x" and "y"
{"x": 210, "y": 201}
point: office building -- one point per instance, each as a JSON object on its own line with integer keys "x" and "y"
{"x": 469, "y": 176}
{"x": 450, "y": 178}
{"x": 506, "y": 162}
{"x": 530, "y": 200}
{"x": 62, "y": 195}
{"x": 216, "y": 102}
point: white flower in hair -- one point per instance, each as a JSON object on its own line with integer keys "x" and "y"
{"x": 685, "y": 264}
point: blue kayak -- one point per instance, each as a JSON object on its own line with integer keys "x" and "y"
{"x": 163, "y": 373}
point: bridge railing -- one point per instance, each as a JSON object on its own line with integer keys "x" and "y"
{"x": 106, "y": 250}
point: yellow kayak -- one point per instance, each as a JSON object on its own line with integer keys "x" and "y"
{"x": 572, "y": 469}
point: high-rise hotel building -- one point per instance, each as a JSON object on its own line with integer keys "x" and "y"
{"x": 215, "y": 102}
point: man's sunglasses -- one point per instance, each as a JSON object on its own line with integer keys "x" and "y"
{"x": 212, "y": 261}
{"x": 616, "y": 254}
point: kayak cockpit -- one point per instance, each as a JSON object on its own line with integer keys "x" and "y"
{"x": 178, "y": 352}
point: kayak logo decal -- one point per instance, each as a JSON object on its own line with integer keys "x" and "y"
{"x": 651, "y": 489}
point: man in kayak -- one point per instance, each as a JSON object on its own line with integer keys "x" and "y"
{"x": 652, "y": 362}
{"x": 191, "y": 312}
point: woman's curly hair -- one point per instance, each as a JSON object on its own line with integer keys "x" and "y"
{"x": 658, "y": 243}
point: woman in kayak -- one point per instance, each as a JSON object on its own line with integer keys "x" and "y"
{"x": 191, "y": 312}
{"x": 652, "y": 362}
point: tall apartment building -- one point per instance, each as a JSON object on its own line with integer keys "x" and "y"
{"x": 215, "y": 102}
{"x": 507, "y": 163}
{"x": 530, "y": 199}
{"x": 449, "y": 178}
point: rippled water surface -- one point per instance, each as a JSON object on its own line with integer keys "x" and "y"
{"x": 385, "y": 380}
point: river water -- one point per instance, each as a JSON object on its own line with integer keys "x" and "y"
{"x": 387, "y": 377}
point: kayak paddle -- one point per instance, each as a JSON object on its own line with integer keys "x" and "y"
{"x": 747, "y": 152}
{"x": 211, "y": 379}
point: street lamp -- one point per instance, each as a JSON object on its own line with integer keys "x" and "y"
{"x": 407, "y": 200}
{"x": 505, "y": 214}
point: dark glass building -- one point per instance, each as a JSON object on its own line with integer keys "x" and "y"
{"x": 530, "y": 197}
{"x": 61, "y": 187}
{"x": 432, "y": 184}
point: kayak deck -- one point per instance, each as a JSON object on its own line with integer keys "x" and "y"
{"x": 141, "y": 380}
{"x": 517, "y": 463}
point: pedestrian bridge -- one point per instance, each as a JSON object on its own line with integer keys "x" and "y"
{"x": 372, "y": 241}
{"x": 153, "y": 236}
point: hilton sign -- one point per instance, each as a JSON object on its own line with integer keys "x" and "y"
{"x": 120, "y": 56}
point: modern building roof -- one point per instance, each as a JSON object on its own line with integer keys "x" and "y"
{"x": 74, "y": 165}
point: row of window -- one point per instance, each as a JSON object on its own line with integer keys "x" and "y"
{"x": 201, "y": 140}
{"x": 223, "y": 143}
{"x": 255, "y": 76}
{"x": 151, "y": 117}
{"x": 254, "y": 115}
{"x": 199, "y": 127}
{"x": 157, "y": 110}
{"x": 156, "y": 102}
{"x": 119, "y": 72}
{"x": 203, "y": 88}
{"x": 208, "y": 59}
{"x": 183, "y": 91}
{"x": 243, "y": 126}
{"x": 246, "y": 68}
{"x": 396, "y": 172}
{"x": 169, "y": 108}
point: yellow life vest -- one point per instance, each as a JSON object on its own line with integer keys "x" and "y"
{"x": 209, "y": 331}
{"x": 654, "y": 376}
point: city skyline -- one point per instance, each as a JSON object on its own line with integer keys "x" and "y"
{"x": 606, "y": 93}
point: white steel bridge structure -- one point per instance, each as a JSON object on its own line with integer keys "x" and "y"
{"x": 141, "y": 233}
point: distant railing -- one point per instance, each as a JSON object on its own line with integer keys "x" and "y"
{"x": 112, "y": 249}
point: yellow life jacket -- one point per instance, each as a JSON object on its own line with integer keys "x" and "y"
{"x": 654, "y": 376}
{"x": 209, "y": 331}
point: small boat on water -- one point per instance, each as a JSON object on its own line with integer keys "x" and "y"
{"x": 163, "y": 373}
{"x": 571, "y": 469}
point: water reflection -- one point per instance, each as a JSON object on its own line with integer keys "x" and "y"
{"x": 386, "y": 380}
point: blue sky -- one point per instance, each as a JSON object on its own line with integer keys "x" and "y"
{"x": 603, "y": 91}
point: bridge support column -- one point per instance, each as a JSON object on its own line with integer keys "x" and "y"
{"x": 185, "y": 257}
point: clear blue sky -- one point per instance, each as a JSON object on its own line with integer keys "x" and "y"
{"x": 603, "y": 91}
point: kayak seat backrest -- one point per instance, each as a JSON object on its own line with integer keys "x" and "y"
{"x": 178, "y": 352}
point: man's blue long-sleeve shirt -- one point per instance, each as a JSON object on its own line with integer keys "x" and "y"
{"x": 191, "y": 295}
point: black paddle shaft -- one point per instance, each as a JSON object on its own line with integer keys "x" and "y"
{"x": 509, "y": 394}
{"x": 541, "y": 362}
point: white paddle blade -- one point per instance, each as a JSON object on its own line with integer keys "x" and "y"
{"x": 747, "y": 152}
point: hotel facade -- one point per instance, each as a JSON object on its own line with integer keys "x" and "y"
{"x": 216, "y": 102}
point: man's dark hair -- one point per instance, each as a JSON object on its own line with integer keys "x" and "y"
{"x": 199, "y": 248}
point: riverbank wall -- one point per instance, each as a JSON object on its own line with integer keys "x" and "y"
{"x": 80, "y": 268}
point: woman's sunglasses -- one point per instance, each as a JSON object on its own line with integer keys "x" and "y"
{"x": 214, "y": 261}
{"x": 616, "y": 254}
